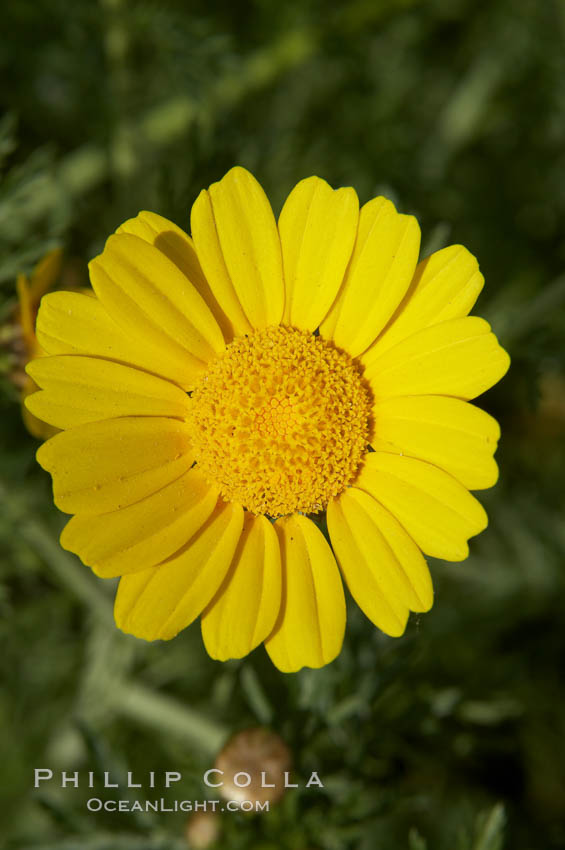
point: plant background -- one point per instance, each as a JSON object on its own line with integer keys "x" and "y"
{"x": 452, "y": 737}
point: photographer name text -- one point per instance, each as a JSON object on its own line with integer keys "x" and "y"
{"x": 212, "y": 778}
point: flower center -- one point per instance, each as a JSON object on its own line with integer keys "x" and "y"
{"x": 281, "y": 421}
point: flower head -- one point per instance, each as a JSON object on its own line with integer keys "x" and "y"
{"x": 220, "y": 390}
{"x": 252, "y": 765}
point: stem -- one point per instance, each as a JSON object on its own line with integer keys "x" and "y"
{"x": 165, "y": 714}
{"x": 126, "y": 697}
{"x": 67, "y": 568}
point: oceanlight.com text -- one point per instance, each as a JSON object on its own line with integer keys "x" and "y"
{"x": 95, "y": 804}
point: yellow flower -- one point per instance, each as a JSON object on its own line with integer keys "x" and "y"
{"x": 257, "y": 373}
{"x": 23, "y": 341}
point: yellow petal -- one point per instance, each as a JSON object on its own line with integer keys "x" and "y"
{"x": 145, "y": 533}
{"x": 244, "y": 610}
{"x": 444, "y": 431}
{"x": 36, "y": 427}
{"x": 25, "y": 310}
{"x": 445, "y": 286}
{"x": 458, "y": 358}
{"x": 232, "y": 319}
{"x": 30, "y": 292}
{"x": 317, "y": 227}
{"x": 384, "y": 569}
{"x": 173, "y": 242}
{"x": 46, "y": 272}
{"x": 159, "y": 602}
{"x": 381, "y": 268}
{"x": 104, "y": 466}
{"x": 236, "y": 217}
{"x": 311, "y": 623}
{"x": 151, "y": 300}
{"x": 77, "y": 390}
{"x": 178, "y": 247}
{"x": 435, "y": 509}
{"x": 74, "y": 323}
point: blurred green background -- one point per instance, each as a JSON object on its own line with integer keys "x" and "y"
{"x": 452, "y": 737}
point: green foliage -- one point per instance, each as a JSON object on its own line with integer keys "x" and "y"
{"x": 452, "y": 737}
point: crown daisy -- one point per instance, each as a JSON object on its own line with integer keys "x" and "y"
{"x": 220, "y": 390}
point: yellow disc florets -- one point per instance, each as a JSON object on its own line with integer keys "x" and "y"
{"x": 281, "y": 421}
